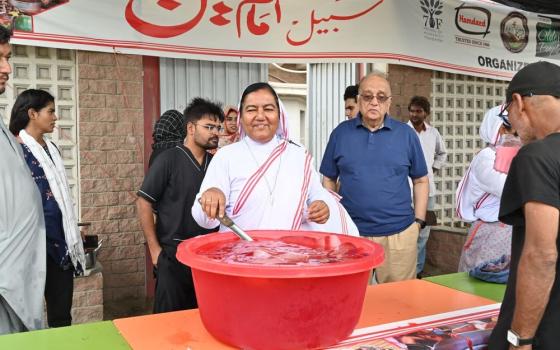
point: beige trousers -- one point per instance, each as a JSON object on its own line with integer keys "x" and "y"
{"x": 400, "y": 255}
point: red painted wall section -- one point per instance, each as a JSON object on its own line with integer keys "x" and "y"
{"x": 151, "y": 115}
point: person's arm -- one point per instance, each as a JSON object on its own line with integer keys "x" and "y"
{"x": 318, "y": 210}
{"x": 329, "y": 167}
{"x": 152, "y": 189}
{"x": 146, "y": 217}
{"x": 536, "y": 270}
{"x": 421, "y": 190}
{"x": 440, "y": 157}
{"x": 214, "y": 192}
{"x": 489, "y": 180}
{"x": 419, "y": 174}
{"x": 329, "y": 184}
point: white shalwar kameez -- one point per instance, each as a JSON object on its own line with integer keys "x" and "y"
{"x": 22, "y": 241}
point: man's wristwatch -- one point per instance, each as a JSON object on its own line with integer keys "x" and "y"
{"x": 515, "y": 340}
{"x": 421, "y": 222}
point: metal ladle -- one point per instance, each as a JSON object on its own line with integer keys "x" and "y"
{"x": 228, "y": 222}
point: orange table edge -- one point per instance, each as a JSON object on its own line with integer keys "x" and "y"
{"x": 383, "y": 304}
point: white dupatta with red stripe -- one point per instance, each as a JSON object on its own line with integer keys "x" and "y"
{"x": 247, "y": 172}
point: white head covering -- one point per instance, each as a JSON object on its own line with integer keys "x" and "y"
{"x": 490, "y": 127}
{"x": 282, "y": 131}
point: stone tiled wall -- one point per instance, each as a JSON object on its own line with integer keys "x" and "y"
{"x": 111, "y": 165}
{"x": 405, "y": 83}
{"x": 443, "y": 250}
{"x": 87, "y": 303}
{"x": 444, "y": 246}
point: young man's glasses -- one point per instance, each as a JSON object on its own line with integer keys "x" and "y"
{"x": 211, "y": 128}
{"x": 369, "y": 98}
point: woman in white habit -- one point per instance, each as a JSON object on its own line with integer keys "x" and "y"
{"x": 266, "y": 181}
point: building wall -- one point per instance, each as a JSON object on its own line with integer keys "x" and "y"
{"x": 405, "y": 83}
{"x": 326, "y": 83}
{"x": 293, "y": 96}
{"x": 182, "y": 80}
{"x": 111, "y": 165}
{"x": 459, "y": 103}
{"x": 443, "y": 250}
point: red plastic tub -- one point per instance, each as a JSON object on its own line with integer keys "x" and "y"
{"x": 279, "y": 307}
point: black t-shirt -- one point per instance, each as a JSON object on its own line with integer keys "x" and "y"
{"x": 172, "y": 182}
{"x": 534, "y": 176}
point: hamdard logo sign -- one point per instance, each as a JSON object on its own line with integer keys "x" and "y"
{"x": 475, "y": 22}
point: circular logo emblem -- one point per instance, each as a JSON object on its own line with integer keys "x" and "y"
{"x": 514, "y": 32}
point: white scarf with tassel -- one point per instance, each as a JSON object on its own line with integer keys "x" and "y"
{"x": 56, "y": 176}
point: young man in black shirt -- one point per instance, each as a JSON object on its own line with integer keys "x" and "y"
{"x": 530, "y": 313}
{"x": 171, "y": 184}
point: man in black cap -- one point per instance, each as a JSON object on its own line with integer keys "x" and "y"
{"x": 530, "y": 313}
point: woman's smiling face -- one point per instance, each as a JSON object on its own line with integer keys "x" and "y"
{"x": 260, "y": 115}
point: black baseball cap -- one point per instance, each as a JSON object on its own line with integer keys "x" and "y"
{"x": 539, "y": 78}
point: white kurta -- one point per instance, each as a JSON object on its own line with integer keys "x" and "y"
{"x": 22, "y": 237}
{"x": 273, "y": 203}
{"x": 434, "y": 151}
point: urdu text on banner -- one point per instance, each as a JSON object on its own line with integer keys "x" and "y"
{"x": 475, "y": 37}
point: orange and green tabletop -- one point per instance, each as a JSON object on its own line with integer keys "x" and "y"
{"x": 463, "y": 282}
{"x": 89, "y": 336}
{"x": 383, "y": 304}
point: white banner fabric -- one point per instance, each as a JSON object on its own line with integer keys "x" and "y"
{"x": 475, "y": 37}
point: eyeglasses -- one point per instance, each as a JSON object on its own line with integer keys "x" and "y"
{"x": 369, "y": 98}
{"x": 504, "y": 115}
{"x": 211, "y": 128}
{"x": 504, "y": 110}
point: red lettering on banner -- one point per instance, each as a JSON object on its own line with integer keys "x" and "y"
{"x": 313, "y": 21}
{"x": 221, "y": 9}
{"x": 169, "y": 4}
{"x": 160, "y": 31}
{"x": 254, "y": 28}
{"x": 248, "y": 12}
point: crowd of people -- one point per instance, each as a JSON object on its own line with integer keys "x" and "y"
{"x": 376, "y": 180}
{"x": 378, "y": 183}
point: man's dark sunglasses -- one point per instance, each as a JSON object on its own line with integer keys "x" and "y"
{"x": 504, "y": 114}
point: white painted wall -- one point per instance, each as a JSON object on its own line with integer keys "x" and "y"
{"x": 294, "y": 98}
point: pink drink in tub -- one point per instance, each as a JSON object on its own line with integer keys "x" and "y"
{"x": 286, "y": 251}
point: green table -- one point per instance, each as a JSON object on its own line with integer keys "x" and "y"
{"x": 89, "y": 336}
{"x": 463, "y": 282}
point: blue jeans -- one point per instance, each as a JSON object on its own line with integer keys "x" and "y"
{"x": 422, "y": 240}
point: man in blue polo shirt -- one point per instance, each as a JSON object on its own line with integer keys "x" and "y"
{"x": 373, "y": 155}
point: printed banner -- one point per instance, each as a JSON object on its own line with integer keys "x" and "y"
{"x": 477, "y": 37}
{"x": 458, "y": 330}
